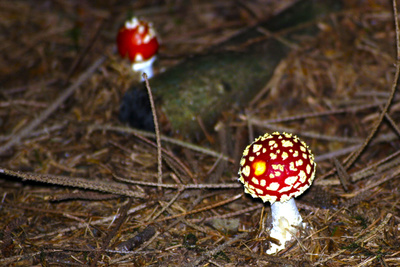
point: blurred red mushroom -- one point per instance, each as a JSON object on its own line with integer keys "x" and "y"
{"x": 276, "y": 168}
{"x": 137, "y": 41}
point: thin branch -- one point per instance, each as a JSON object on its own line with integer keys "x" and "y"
{"x": 83, "y": 183}
{"x": 163, "y": 138}
{"x": 261, "y": 123}
{"x": 378, "y": 167}
{"x": 344, "y": 177}
{"x": 169, "y": 154}
{"x": 16, "y": 138}
{"x": 360, "y": 240}
{"x": 168, "y": 204}
{"x": 392, "y": 123}
{"x": 218, "y": 249}
{"x": 180, "y": 186}
{"x": 323, "y": 113}
{"x": 43, "y": 131}
{"x": 92, "y": 223}
{"x": 381, "y": 166}
{"x": 358, "y": 152}
{"x": 156, "y": 127}
{"x": 209, "y": 207}
{"x": 122, "y": 214}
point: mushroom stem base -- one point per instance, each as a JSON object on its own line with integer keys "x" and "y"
{"x": 285, "y": 218}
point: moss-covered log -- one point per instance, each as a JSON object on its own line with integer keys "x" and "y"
{"x": 202, "y": 87}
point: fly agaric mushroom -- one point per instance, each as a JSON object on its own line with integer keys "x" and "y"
{"x": 137, "y": 40}
{"x": 276, "y": 168}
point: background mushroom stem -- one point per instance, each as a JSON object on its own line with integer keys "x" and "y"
{"x": 285, "y": 217}
{"x": 144, "y": 67}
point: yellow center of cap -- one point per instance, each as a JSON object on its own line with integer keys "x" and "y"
{"x": 259, "y": 167}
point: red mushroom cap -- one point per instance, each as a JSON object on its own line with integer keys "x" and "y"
{"x": 277, "y": 167}
{"x": 137, "y": 40}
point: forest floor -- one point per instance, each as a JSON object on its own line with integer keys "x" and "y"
{"x": 80, "y": 188}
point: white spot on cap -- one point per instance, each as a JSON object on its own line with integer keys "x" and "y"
{"x": 308, "y": 168}
{"x": 303, "y": 176}
{"x": 138, "y": 57}
{"x": 287, "y": 135}
{"x": 250, "y": 191}
{"x": 254, "y": 180}
{"x": 146, "y": 39}
{"x": 285, "y": 198}
{"x": 246, "y": 170}
{"x": 273, "y": 186}
{"x": 287, "y": 143}
{"x": 141, "y": 29}
{"x": 271, "y": 143}
{"x": 132, "y": 24}
{"x": 279, "y": 167}
{"x": 269, "y": 198}
{"x": 152, "y": 33}
{"x": 292, "y": 167}
{"x": 260, "y": 191}
{"x": 285, "y": 189}
{"x": 256, "y": 148}
{"x": 290, "y": 180}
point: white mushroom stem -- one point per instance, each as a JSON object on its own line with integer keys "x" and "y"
{"x": 285, "y": 217}
{"x": 144, "y": 67}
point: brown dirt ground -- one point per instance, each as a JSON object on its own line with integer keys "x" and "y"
{"x": 331, "y": 91}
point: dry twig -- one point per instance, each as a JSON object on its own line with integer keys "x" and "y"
{"x": 16, "y": 138}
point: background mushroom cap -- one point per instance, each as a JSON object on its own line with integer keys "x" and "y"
{"x": 277, "y": 167}
{"x": 138, "y": 43}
